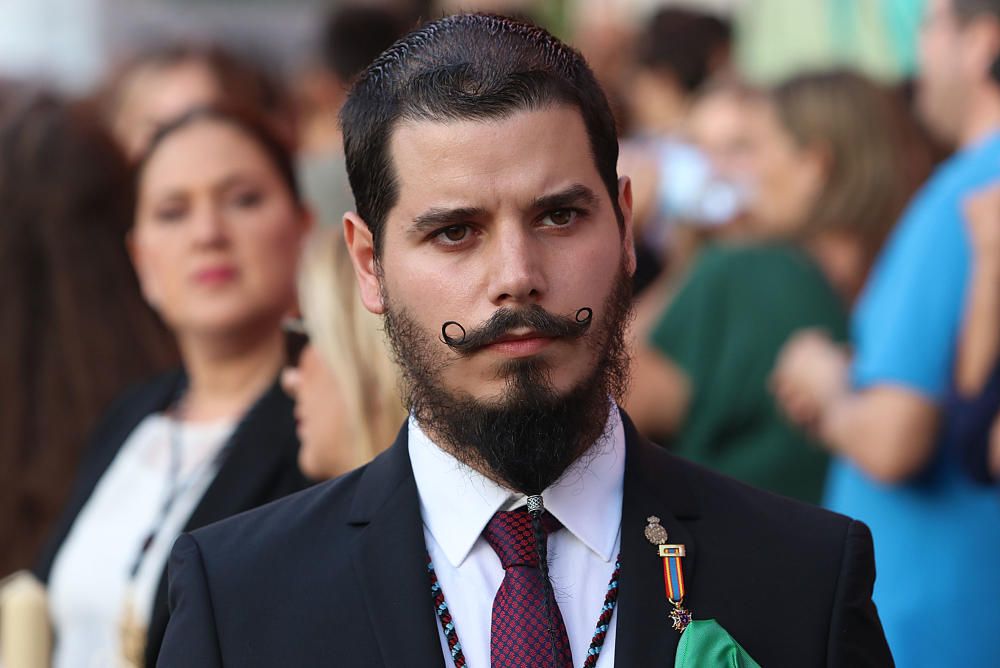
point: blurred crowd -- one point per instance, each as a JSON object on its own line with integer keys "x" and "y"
{"x": 818, "y": 302}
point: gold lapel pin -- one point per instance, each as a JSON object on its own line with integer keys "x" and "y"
{"x": 673, "y": 571}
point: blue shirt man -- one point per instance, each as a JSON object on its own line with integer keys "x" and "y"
{"x": 936, "y": 537}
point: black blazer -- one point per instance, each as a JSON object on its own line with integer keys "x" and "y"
{"x": 337, "y": 576}
{"x": 261, "y": 466}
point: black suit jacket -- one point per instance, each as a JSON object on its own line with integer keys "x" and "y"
{"x": 336, "y": 575}
{"x": 261, "y": 466}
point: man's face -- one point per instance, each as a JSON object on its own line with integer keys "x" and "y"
{"x": 501, "y": 214}
{"x": 505, "y": 230}
{"x": 943, "y": 88}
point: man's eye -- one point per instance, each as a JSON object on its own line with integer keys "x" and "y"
{"x": 454, "y": 233}
{"x": 559, "y": 217}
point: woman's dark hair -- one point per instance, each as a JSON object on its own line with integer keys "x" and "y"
{"x": 469, "y": 66}
{"x": 354, "y": 35}
{"x": 688, "y": 45}
{"x": 252, "y": 125}
{"x": 74, "y": 328}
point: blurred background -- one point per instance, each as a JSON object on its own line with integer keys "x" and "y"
{"x": 818, "y": 285}
{"x": 71, "y": 43}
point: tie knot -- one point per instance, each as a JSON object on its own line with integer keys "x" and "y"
{"x": 512, "y": 537}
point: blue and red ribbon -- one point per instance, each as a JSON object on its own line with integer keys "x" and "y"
{"x": 673, "y": 572}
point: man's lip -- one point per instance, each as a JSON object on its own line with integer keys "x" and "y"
{"x": 523, "y": 345}
{"x": 506, "y": 338}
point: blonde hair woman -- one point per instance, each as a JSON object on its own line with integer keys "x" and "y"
{"x": 345, "y": 384}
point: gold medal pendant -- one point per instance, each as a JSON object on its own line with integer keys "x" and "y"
{"x": 133, "y": 636}
{"x": 673, "y": 572}
{"x": 681, "y": 617}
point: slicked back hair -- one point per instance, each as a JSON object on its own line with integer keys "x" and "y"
{"x": 465, "y": 67}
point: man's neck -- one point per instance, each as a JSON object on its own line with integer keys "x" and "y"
{"x": 982, "y": 119}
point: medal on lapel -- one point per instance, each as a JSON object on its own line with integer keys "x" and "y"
{"x": 673, "y": 571}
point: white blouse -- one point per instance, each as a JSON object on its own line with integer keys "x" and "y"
{"x": 87, "y": 586}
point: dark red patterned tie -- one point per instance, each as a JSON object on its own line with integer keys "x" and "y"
{"x": 519, "y": 634}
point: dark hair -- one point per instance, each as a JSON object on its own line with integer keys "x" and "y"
{"x": 74, "y": 328}
{"x": 355, "y": 35}
{"x": 469, "y": 66}
{"x": 242, "y": 80}
{"x": 966, "y": 10}
{"x": 252, "y": 125}
{"x": 686, "y": 44}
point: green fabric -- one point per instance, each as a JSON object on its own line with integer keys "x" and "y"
{"x": 705, "y": 644}
{"x": 724, "y": 329}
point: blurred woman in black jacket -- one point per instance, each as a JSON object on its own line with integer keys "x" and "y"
{"x": 217, "y": 234}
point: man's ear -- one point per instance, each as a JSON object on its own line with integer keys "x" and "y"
{"x": 981, "y": 45}
{"x": 361, "y": 247}
{"x": 628, "y": 236}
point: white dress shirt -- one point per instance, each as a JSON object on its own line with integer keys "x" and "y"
{"x": 457, "y": 502}
{"x": 87, "y": 587}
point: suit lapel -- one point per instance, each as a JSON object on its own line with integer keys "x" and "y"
{"x": 652, "y": 487}
{"x": 256, "y": 449}
{"x": 390, "y": 561}
{"x": 245, "y": 479}
{"x": 103, "y": 447}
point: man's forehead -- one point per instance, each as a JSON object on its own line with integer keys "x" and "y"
{"x": 526, "y": 152}
{"x": 444, "y": 128}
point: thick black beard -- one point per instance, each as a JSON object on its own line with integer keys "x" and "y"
{"x": 527, "y": 438}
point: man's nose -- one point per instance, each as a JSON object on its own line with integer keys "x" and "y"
{"x": 517, "y": 269}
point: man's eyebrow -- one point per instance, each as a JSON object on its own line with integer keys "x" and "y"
{"x": 435, "y": 218}
{"x": 575, "y": 195}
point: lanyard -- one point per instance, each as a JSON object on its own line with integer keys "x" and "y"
{"x": 175, "y": 485}
{"x": 596, "y": 642}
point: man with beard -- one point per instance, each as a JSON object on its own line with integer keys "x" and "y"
{"x": 519, "y": 519}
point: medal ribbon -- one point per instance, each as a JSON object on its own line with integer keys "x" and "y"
{"x": 673, "y": 572}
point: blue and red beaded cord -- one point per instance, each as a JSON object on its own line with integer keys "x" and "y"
{"x": 447, "y": 624}
{"x": 596, "y": 643}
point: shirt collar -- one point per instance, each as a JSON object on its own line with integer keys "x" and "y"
{"x": 456, "y": 502}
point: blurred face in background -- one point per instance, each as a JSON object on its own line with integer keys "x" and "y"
{"x": 784, "y": 178}
{"x": 941, "y": 90}
{"x": 320, "y": 415}
{"x": 718, "y": 126}
{"x": 955, "y": 60}
{"x": 217, "y": 233}
{"x": 156, "y": 94}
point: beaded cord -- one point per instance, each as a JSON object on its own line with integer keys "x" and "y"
{"x": 455, "y": 646}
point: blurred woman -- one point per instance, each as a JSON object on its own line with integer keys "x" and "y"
{"x": 217, "y": 234}
{"x": 75, "y": 330}
{"x": 829, "y": 174}
{"x": 345, "y": 385}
